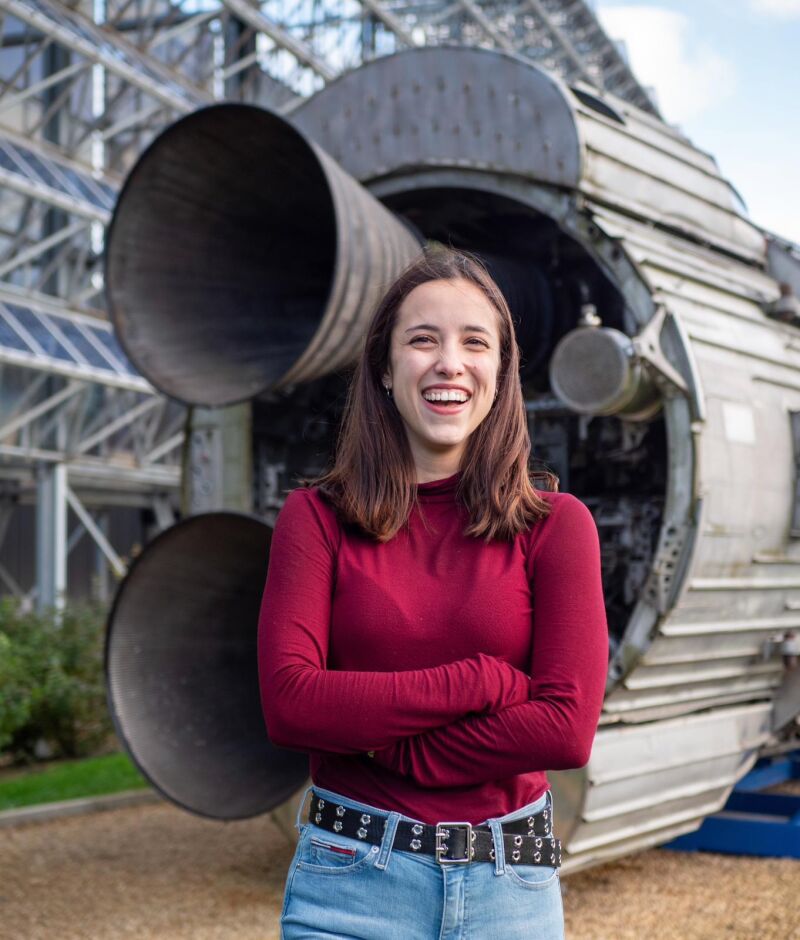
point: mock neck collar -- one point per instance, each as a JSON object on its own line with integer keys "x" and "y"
{"x": 439, "y": 490}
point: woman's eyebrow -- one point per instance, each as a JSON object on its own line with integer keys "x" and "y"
{"x": 435, "y": 329}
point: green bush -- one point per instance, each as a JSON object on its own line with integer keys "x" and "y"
{"x": 51, "y": 681}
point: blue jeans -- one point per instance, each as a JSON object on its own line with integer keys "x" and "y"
{"x": 377, "y": 892}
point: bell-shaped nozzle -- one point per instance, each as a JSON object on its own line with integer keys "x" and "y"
{"x": 240, "y": 258}
{"x": 596, "y": 370}
{"x": 182, "y": 673}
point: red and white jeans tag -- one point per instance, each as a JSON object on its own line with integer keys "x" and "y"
{"x": 342, "y": 850}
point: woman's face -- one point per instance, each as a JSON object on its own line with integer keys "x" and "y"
{"x": 444, "y": 358}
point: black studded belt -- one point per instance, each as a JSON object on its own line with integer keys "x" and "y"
{"x": 526, "y": 841}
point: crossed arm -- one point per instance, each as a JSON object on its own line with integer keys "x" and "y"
{"x": 555, "y": 728}
{"x": 310, "y": 708}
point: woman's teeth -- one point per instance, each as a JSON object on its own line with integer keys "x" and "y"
{"x": 446, "y": 396}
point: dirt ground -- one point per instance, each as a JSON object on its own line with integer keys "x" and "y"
{"x": 158, "y": 872}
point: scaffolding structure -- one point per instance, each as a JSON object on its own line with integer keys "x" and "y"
{"x": 84, "y": 87}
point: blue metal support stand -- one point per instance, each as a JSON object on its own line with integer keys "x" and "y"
{"x": 752, "y": 822}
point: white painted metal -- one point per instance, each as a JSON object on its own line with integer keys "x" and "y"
{"x": 647, "y": 783}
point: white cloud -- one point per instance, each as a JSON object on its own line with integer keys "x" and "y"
{"x": 785, "y": 9}
{"x": 687, "y": 74}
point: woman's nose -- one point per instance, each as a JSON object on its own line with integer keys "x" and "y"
{"x": 449, "y": 362}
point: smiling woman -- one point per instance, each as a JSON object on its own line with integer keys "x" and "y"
{"x": 442, "y": 371}
{"x": 400, "y": 646}
{"x": 442, "y": 325}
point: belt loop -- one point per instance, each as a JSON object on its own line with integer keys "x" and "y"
{"x": 300, "y": 808}
{"x": 499, "y": 846}
{"x": 387, "y": 843}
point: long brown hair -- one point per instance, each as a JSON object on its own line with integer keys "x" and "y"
{"x": 372, "y": 483}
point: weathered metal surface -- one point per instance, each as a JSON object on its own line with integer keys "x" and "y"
{"x": 648, "y": 783}
{"x": 447, "y": 107}
{"x": 241, "y": 258}
{"x": 182, "y": 673}
{"x": 489, "y": 111}
{"x": 595, "y": 370}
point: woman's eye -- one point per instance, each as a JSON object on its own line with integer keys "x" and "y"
{"x": 416, "y": 339}
{"x": 480, "y": 342}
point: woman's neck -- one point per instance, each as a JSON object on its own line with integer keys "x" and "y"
{"x": 436, "y": 470}
{"x": 436, "y": 466}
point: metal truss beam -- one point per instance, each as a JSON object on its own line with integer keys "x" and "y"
{"x": 103, "y": 433}
{"x": 476, "y": 13}
{"x": 380, "y": 11}
{"x": 109, "y": 49}
{"x": 34, "y": 251}
{"x": 96, "y": 533}
{"x": 561, "y": 37}
{"x": 300, "y": 50}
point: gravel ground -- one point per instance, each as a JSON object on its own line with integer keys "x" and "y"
{"x": 158, "y": 872}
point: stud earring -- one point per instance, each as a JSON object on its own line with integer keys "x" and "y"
{"x": 388, "y": 391}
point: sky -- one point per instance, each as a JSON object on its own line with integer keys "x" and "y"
{"x": 727, "y": 73}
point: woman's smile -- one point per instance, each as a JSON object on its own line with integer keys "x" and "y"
{"x": 442, "y": 371}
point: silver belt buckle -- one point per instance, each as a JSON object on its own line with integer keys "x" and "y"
{"x": 443, "y": 834}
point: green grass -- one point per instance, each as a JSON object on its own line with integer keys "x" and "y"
{"x": 70, "y": 780}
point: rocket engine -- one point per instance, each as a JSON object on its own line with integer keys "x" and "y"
{"x": 244, "y": 258}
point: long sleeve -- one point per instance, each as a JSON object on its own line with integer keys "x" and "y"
{"x": 311, "y": 708}
{"x": 555, "y": 729}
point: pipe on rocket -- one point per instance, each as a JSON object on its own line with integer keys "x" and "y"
{"x": 241, "y": 258}
{"x": 596, "y": 370}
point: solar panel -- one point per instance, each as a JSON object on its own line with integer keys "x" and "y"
{"x": 66, "y": 343}
{"x": 53, "y": 174}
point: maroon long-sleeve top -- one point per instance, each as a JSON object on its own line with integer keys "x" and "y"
{"x": 469, "y": 669}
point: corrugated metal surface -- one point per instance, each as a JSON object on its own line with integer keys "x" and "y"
{"x": 646, "y": 784}
{"x": 716, "y": 643}
{"x": 656, "y": 174}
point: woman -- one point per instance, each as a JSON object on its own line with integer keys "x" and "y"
{"x": 433, "y": 634}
